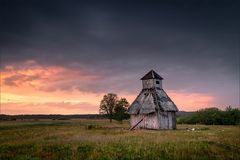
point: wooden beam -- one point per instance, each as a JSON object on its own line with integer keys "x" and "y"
{"x": 136, "y": 124}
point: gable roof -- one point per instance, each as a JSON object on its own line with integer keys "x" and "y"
{"x": 151, "y": 75}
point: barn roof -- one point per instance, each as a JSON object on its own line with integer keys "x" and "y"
{"x": 151, "y": 75}
{"x": 151, "y": 100}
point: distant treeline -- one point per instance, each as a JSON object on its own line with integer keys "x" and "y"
{"x": 207, "y": 116}
{"x": 211, "y": 116}
{"x": 51, "y": 116}
{"x": 5, "y": 117}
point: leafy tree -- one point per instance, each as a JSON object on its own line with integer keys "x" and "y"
{"x": 231, "y": 116}
{"x": 107, "y": 105}
{"x": 120, "y": 111}
{"x": 114, "y": 108}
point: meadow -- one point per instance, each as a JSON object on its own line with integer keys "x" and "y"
{"x": 101, "y": 140}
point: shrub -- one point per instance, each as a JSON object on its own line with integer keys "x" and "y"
{"x": 210, "y": 116}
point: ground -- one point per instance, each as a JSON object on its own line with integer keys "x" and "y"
{"x": 98, "y": 139}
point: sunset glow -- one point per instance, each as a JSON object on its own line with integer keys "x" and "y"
{"x": 30, "y": 88}
{"x": 192, "y": 101}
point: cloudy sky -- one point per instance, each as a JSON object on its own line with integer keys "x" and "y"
{"x": 62, "y": 56}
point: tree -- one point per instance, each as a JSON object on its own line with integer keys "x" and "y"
{"x": 114, "y": 108}
{"x": 107, "y": 105}
{"x": 120, "y": 111}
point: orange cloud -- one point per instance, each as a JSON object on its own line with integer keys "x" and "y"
{"x": 42, "y": 78}
{"x": 188, "y": 101}
{"x": 34, "y": 89}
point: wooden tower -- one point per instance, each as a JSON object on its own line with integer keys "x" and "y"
{"x": 152, "y": 109}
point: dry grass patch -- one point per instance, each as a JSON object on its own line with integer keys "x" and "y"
{"x": 98, "y": 139}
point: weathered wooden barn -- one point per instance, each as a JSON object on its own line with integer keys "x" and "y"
{"x": 152, "y": 109}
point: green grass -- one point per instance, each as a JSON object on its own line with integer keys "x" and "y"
{"x": 98, "y": 139}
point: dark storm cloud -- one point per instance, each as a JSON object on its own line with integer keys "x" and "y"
{"x": 187, "y": 41}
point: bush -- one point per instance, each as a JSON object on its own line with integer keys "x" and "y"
{"x": 210, "y": 116}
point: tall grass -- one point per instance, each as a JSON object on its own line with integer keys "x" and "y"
{"x": 98, "y": 139}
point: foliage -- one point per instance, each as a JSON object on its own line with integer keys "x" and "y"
{"x": 107, "y": 105}
{"x": 120, "y": 111}
{"x": 75, "y": 141}
{"x": 211, "y": 116}
{"x": 114, "y": 108}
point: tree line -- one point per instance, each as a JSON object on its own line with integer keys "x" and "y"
{"x": 210, "y": 116}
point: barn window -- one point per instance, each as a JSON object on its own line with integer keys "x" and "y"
{"x": 157, "y": 82}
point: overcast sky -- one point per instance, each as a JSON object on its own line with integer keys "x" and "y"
{"x": 107, "y": 46}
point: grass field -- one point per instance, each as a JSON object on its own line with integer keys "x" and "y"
{"x": 98, "y": 139}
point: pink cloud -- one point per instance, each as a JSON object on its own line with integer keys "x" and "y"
{"x": 44, "y": 78}
{"x": 188, "y": 101}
